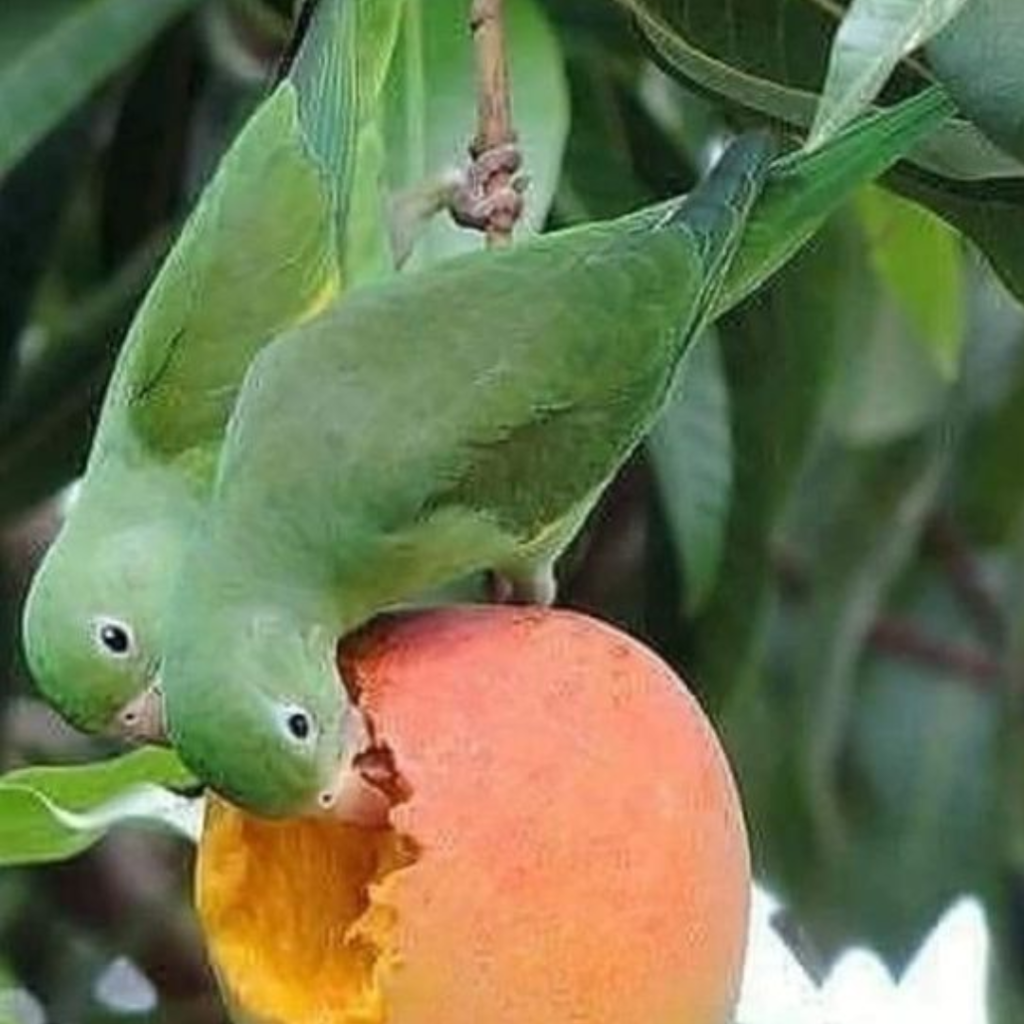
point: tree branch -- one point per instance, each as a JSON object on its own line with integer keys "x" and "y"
{"x": 966, "y": 578}
{"x": 494, "y": 105}
{"x": 904, "y": 639}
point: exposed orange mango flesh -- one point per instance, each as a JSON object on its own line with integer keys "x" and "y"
{"x": 581, "y": 856}
{"x": 288, "y": 914}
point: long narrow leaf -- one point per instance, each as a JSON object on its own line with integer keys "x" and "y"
{"x": 56, "y": 53}
{"x": 691, "y": 451}
{"x": 872, "y": 39}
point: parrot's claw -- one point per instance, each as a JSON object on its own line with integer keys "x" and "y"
{"x": 536, "y": 587}
{"x": 477, "y": 201}
{"x": 141, "y": 720}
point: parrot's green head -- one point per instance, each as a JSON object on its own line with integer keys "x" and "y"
{"x": 255, "y": 705}
{"x": 94, "y": 617}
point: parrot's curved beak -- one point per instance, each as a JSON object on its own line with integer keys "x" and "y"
{"x": 356, "y": 800}
{"x": 366, "y": 785}
{"x": 141, "y": 720}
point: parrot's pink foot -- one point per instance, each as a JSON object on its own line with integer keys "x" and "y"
{"x": 537, "y": 587}
{"x": 480, "y": 201}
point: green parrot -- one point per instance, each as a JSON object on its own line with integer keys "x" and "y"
{"x": 354, "y": 476}
{"x": 110, "y": 570}
{"x": 271, "y": 242}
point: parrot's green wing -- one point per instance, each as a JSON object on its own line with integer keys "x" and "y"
{"x": 556, "y": 446}
{"x": 265, "y": 248}
{"x": 354, "y": 477}
{"x": 536, "y": 369}
{"x": 501, "y": 302}
{"x": 805, "y": 188}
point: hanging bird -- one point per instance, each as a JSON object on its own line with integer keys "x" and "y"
{"x": 94, "y": 624}
{"x": 266, "y": 248}
{"x": 458, "y": 419}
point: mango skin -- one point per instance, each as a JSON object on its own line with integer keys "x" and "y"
{"x": 583, "y": 853}
{"x": 567, "y": 846}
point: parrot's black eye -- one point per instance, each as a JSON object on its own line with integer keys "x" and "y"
{"x": 114, "y": 638}
{"x": 299, "y": 725}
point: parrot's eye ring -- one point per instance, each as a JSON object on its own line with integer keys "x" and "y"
{"x": 299, "y": 725}
{"x": 114, "y": 638}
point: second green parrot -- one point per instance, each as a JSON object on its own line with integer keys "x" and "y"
{"x": 269, "y": 245}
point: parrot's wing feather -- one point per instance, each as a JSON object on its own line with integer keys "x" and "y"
{"x": 262, "y": 251}
{"x": 716, "y": 213}
{"x": 804, "y": 189}
{"x": 508, "y": 384}
{"x": 567, "y": 440}
{"x": 345, "y": 79}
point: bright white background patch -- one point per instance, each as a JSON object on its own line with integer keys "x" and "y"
{"x": 944, "y": 984}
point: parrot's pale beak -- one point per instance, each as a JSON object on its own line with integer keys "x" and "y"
{"x": 356, "y": 800}
{"x": 365, "y": 787}
{"x": 141, "y": 720}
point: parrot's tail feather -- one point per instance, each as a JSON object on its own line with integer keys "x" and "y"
{"x": 716, "y": 212}
{"x": 291, "y": 51}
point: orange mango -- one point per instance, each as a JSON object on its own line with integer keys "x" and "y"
{"x": 567, "y": 847}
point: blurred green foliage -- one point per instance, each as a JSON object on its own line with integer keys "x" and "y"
{"x": 824, "y": 533}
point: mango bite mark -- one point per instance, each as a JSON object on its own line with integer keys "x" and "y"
{"x": 567, "y": 848}
{"x": 294, "y": 914}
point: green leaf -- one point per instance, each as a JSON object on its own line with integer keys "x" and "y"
{"x": 930, "y": 834}
{"x": 990, "y": 214}
{"x": 978, "y": 59}
{"x": 918, "y": 258}
{"x": 431, "y": 112}
{"x": 858, "y": 817}
{"x": 872, "y": 506}
{"x": 770, "y": 57}
{"x": 990, "y": 492}
{"x": 914, "y": 830}
{"x": 691, "y": 452}
{"x": 18, "y": 1005}
{"x": 51, "y": 814}
{"x": 47, "y": 421}
{"x": 767, "y": 55}
{"x": 872, "y": 39}
{"x": 603, "y": 174}
{"x": 779, "y": 350}
{"x": 54, "y": 53}
{"x": 890, "y": 386}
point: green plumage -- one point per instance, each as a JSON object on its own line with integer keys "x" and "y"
{"x": 276, "y": 237}
{"x": 458, "y": 419}
{"x": 266, "y": 248}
